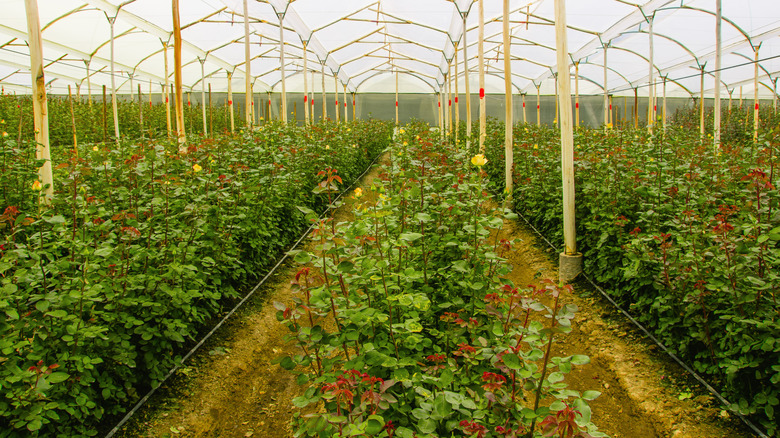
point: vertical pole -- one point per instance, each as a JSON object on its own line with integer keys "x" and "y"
{"x": 577, "y": 93}
{"x": 248, "y": 68}
{"x": 132, "y": 98}
{"x": 606, "y": 98}
{"x": 203, "y": 94}
{"x": 664, "y": 110}
{"x": 525, "y": 116}
{"x": 538, "y": 105}
{"x": 441, "y": 119}
{"x": 40, "y": 105}
{"x": 718, "y": 57}
{"x": 346, "y": 113}
{"x": 482, "y": 109}
{"x": 281, "y": 60}
{"x": 445, "y": 108}
{"x": 468, "y": 86}
{"x": 89, "y": 82}
{"x": 305, "y": 86}
{"x": 636, "y": 108}
{"x": 650, "y": 84}
{"x": 755, "y": 97}
{"x": 140, "y": 112}
{"x": 354, "y": 106}
{"x": 180, "y": 132}
{"x": 611, "y": 111}
{"x": 166, "y": 91}
{"x": 230, "y": 102}
{"x": 555, "y": 118}
{"x": 211, "y": 114}
{"x": 336, "y": 95}
{"x": 396, "y": 98}
{"x": 570, "y": 260}
{"x": 701, "y": 105}
{"x": 508, "y": 123}
{"x": 324, "y": 95}
{"x": 105, "y": 116}
{"x": 457, "y": 108}
{"x": 111, "y": 21}
{"x": 73, "y": 123}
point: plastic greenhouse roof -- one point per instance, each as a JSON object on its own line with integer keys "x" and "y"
{"x": 364, "y": 42}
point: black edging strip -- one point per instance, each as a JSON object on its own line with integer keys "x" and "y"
{"x": 240, "y": 303}
{"x": 679, "y": 361}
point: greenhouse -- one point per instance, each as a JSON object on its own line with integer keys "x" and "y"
{"x": 389, "y": 218}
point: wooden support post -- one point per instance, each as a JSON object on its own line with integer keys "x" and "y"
{"x": 324, "y": 95}
{"x": 211, "y": 114}
{"x": 570, "y": 259}
{"x": 89, "y": 81}
{"x": 664, "y": 110}
{"x": 650, "y": 83}
{"x": 450, "y": 119}
{"x": 305, "y": 86}
{"x": 606, "y": 90}
{"x": 468, "y": 86}
{"x": 555, "y": 118}
{"x": 509, "y": 120}
{"x": 354, "y": 107}
{"x": 636, "y": 108}
{"x": 203, "y": 95}
{"x": 336, "y": 95}
{"x": 577, "y": 93}
{"x": 105, "y": 116}
{"x": 248, "y": 99}
{"x": 114, "y": 103}
{"x": 538, "y": 104}
{"x": 281, "y": 59}
{"x": 718, "y": 60}
{"x": 701, "y": 106}
{"x": 140, "y": 112}
{"x": 180, "y": 131}
{"x": 755, "y": 97}
{"x": 457, "y": 108}
{"x": 230, "y": 101}
{"x": 73, "y": 124}
{"x": 166, "y": 90}
{"x": 441, "y": 118}
{"x": 40, "y": 104}
{"x": 396, "y": 99}
{"x": 525, "y": 115}
{"x": 346, "y": 113}
{"x": 481, "y": 52}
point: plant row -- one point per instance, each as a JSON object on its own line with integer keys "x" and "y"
{"x": 683, "y": 234}
{"x": 94, "y": 122}
{"x": 141, "y": 247}
{"x": 407, "y": 323}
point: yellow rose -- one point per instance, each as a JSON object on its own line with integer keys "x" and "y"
{"x": 479, "y": 160}
{"x": 609, "y": 125}
{"x": 327, "y": 146}
{"x": 37, "y": 186}
{"x": 358, "y": 192}
{"x": 95, "y": 148}
{"x": 536, "y": 146}
{"x": 196, "y": 168}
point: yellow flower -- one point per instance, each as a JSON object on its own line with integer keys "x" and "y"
{"x": 358, "y": 192}
{"x": 327, "y": 146}
{"x": 5, "y": 134}
{"x": 536, "y": 146}
{"x": 401, "y": 131}
{"x": 609, "y": 125}
{"x": 526, "y": 129}
{"x": 479, "y": 160}
{"x": 95, "y": 148}
{"x": 405, "y": 143}
{"x": 37, "y": 186}
{"x": 349, "y": 129}
{"x": 196, "y": 168}
{"x": 651, "y": 159}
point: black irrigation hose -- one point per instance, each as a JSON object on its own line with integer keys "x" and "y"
{"x": 679, "y": 361}
{"x": 240, "y": 303}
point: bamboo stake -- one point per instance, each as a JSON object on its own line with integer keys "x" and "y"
{"x": 457, "y": 108}
{"x": 73, "y": 123}
{"x": 718, "y": 60}
{"x": 567, "y": 135}
{"x": 755, "y": 97}
{"x": 248, "y": 67}
{"x": 111, "y": 21}
{"x": 468, "y": 86}
{"x": 482, "y": 108}
{"x": 577, "y": 93}
{"x": 509, "y": 120}
{"x": 166, "y": 90}
{"x": 40, "y": 103}
{"x": 305, "y": 86}
{"x": 230, "y": 102}
{"x": 203, "y": 94}
{"x": 324, "y": 95}
{"x": 180, "y": 131}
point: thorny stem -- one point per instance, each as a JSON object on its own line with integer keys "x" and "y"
{"x": 546, "y": 361}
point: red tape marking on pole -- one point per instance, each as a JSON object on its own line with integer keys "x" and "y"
{"x": 481, "y": 93}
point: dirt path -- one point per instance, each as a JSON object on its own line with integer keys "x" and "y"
{"x": 233, "y": 388}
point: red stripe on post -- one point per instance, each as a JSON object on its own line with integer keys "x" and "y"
{"x": 756, "y": 107}
{"x": 305, "y": 99}
{"x": 537, "y": 107}
{"x": 655, "y": 107}
{"x": 230, "y": 102}
{"x": 456, "y": 100}
{"x": 610, "y": 107}
{"x": 481, "y": 93}
{"x": 450, "y": 102}
{"x": 439, "y": 104}
{"x": 577, "y": 105}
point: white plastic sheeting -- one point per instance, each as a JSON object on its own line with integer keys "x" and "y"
{"x": 364, "y": 42}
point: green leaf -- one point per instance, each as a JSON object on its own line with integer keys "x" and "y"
{"x": 512, "y": 361}
{"x": 426, "y": 426}
{"x": 346, "y": 266}
{"x": 410, "y": 237}
{"x": 302, "y": 258}
{"x": 58, "y": 377}
{"x": 287, "y": 363}
{"x": 374, "y": 424}
{"x": 555, "y": 377}
{"x": 34, "y": 425}
{"x": 59, "y": 219}
{"x": 590, "y": 395}
{"x": 580, "y": 359}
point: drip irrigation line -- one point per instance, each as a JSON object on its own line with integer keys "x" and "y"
{"x": 240, "y": 303}
{"x": 679, "y": 361}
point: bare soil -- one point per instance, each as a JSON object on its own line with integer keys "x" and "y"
{"x": 233, "y": 389}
